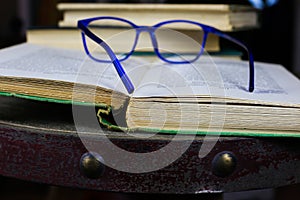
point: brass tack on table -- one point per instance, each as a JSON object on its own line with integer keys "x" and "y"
{"x": 224, "y": 164}
{"x": 91, "y": 165}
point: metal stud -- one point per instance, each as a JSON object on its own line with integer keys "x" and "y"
{"x": 91, "y": 165}
{"x": 224, "y": 164}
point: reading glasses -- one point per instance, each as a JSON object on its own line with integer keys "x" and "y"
{"x": 165, "y": 45}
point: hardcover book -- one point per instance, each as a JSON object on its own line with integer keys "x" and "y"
{"x": 206, "y": 97}
{"x": 70, "y": 38}
{"x": 225, "y": 17}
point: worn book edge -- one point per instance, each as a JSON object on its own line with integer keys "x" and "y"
{"x": 104, "y": 114}
{"x": 104, "y": 111}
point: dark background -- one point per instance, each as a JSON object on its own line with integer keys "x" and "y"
{"x": 275, "y": 41}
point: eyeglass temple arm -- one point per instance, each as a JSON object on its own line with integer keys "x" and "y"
{"x": 120, "y": 70}
{"x": 250, "y": 55}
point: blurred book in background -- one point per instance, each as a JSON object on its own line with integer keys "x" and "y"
{"x": 222, "y": 16}
{"x": 228, "y": 18}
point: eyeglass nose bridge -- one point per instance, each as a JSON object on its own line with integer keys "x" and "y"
{"x": 151, "y": 31}
{"x": 148, "y": 29}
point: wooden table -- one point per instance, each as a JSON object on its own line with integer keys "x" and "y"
{"x": 39, "y": 142}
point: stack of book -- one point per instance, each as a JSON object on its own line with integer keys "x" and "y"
{"x": 227, "y": 18}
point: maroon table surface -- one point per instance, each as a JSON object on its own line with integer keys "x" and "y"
{"x": 39, "y": 143}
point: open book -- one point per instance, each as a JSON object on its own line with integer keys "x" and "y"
{"x": 208, "y": 96}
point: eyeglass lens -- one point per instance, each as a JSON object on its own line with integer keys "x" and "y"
{"x": 174, "y": 41}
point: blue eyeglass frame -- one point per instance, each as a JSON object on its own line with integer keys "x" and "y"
{"x": 83, "y": 26}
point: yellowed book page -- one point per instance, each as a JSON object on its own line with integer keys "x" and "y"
{"x": 221, "y": 79}
{"x": 74, "y": 66}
